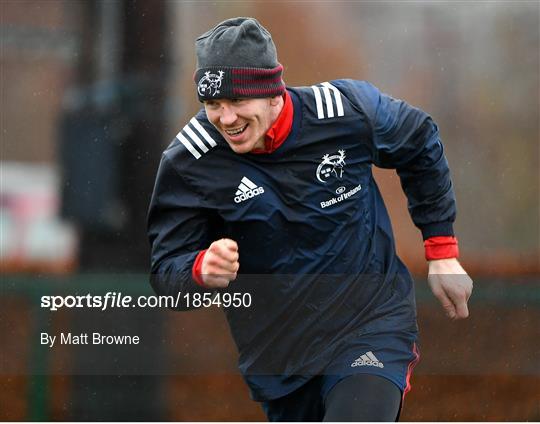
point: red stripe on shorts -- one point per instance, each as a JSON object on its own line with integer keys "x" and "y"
{"x": 410, "y": 369}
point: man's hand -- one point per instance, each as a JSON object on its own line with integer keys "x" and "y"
{"x": 220, "y": 264}
{"x": 451, "y": 285}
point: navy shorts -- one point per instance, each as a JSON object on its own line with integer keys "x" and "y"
{"x": 391, "y": 355}
{"x": 388, "y": 355}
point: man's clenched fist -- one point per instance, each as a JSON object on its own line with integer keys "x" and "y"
{"x": 220, "y": 263}
{"x": 451, "y": 285}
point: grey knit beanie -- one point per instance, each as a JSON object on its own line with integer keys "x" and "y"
{"x": 237, "y": 59}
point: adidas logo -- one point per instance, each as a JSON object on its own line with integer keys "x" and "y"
{"x": 247, "y": 189}
{"x": 367, "y": 359}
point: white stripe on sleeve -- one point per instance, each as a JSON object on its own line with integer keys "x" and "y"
{"x": 188, "y": 145}
{"x": 328, "y": 100}
{"x": 337, "y": 97}
{"x": 196, "y": 139}
{"x": 203, "y": 132}
{"x": 318, "y": 100}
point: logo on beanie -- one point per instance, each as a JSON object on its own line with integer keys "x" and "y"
{"x": 210, "y": 84}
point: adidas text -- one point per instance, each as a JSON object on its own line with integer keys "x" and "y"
{"x": 249, "y": 194}
{"x": 369, "y": 362}
{"x": 367, "y": 359}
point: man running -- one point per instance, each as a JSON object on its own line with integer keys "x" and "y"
{"x": 268, "y": 190}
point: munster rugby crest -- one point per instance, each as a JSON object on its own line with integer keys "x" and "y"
{"x": 210, "y": 84}
{"x": 331, "y": 166}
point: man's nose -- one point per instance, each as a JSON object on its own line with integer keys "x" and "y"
{"x": 228, "y": 116}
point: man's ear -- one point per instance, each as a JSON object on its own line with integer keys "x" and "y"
{"x": 274, "y": 101}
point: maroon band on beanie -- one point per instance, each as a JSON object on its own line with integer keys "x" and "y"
{"x": 226, "y": 82}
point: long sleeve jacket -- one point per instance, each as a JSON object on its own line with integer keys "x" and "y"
{"x": 316, "y": 246}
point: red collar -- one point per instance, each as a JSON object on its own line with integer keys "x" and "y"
{"x": 281, "y": 128}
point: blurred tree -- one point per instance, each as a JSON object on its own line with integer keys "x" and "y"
{"x": 112, "y": 123}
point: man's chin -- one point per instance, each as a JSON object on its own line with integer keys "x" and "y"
{"x": 241, "y": 148}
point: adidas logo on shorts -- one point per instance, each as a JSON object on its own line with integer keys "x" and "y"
{"x": 367, "y": 359}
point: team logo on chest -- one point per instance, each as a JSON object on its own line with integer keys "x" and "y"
{"x": 210, "y": 84}
{"x": 331, "y": 167}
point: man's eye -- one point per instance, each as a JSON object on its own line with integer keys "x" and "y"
{"x": 236, "y": 100}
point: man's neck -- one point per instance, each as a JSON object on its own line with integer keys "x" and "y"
{"x": 276, "y": 110}
{"x": 280, "y": 128}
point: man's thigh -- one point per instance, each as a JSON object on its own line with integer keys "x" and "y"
{"x": 304, "y": 404}
{"x": 363, "y": 397}
{"x": 388, "y": 356}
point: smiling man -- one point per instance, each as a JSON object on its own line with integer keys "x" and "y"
{"x": 244, "y": 123}
{"x": 268, "y": 192}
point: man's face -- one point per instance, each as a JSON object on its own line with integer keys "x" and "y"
{"x": 243, "y": 123}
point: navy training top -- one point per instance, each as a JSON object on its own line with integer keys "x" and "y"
{"x": 316, "y": 247}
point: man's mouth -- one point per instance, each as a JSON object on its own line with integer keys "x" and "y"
{"x": 236, "y": 131}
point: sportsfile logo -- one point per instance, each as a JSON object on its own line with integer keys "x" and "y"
{"x": 367, "y": 359}
{"x": 247, "y": 189}
{"x": 343, "y": 196}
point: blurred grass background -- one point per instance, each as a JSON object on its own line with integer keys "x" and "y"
{"x": 93, "y": 91}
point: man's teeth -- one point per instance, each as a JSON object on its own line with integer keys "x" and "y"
{"x": 236, "y": 131}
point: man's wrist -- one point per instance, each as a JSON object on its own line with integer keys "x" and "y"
{"x": 441, "y": 247}
{"x": 196, "y": 270}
